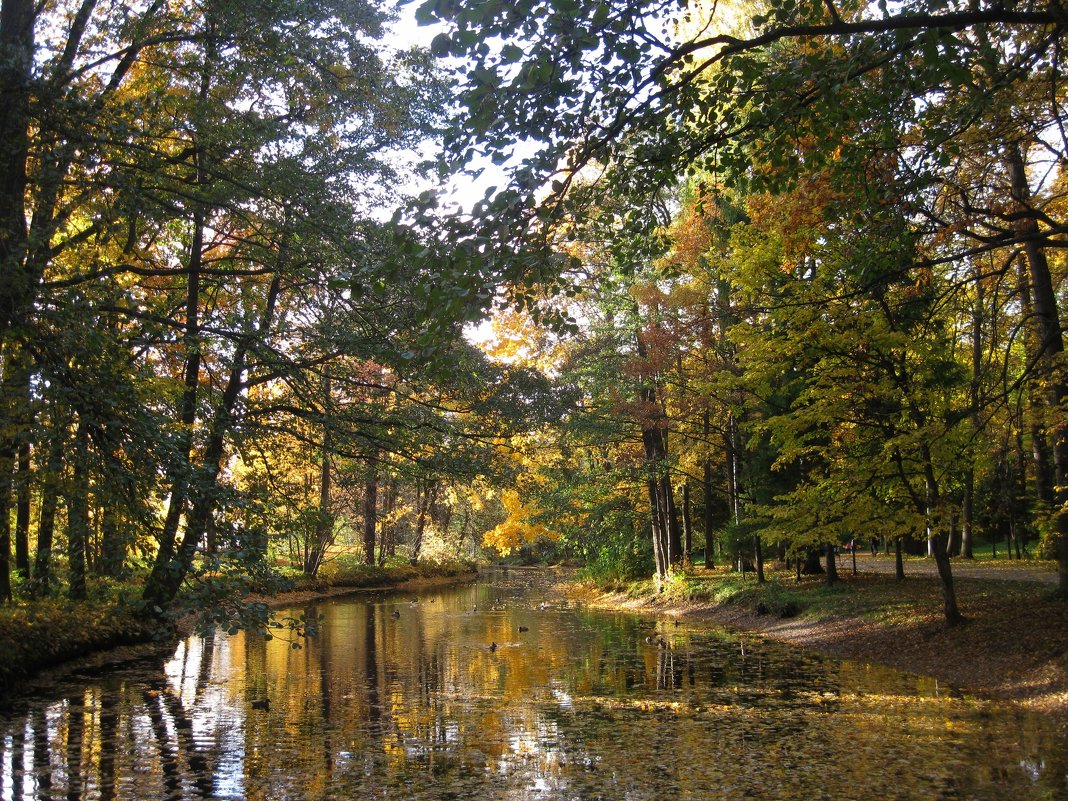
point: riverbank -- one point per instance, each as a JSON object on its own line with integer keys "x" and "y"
{"x": 316, "y": 591}
{"x": 92, "y": 636}
{"x": 1013, "y": 647}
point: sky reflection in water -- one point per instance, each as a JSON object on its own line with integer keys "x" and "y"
{"x": 577, "y": 706}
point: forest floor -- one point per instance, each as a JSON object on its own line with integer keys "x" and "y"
{"x": 1013, "y": 645}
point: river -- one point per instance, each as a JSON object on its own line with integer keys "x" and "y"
{"x": 504, "y": 690}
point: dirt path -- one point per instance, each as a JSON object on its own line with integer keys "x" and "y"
{"x": 1044, "y": 572}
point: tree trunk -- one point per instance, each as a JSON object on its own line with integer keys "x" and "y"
{"x": 1032, "y": 337}
{"x": 324, "y": 521}
{"x": 899, "y": 561}
{"x": 671, "y": 519}
{"x": 730, "y": 440}
{"x": 661, "y": 506}
{"x": 180, "y": 466}
{"x": 112, "y": 542}
{"x": 831, "y": 568}
{"x": 440, "y": 513}
{"x": 17, "y": 45}
{"x": 1046, "y": 313}
{"x": 967, "y": 511}
{"x": 667, "y": 519}
{"x": 203, "y": 491}
{"x": 966, "y": 515}
{"x": 811, "y": 565}
{"x": 22, "y": 510}
{"x": 953, "y": 541}
{"x": 666, "y": 533}
{"x": 14, "y": 395}
{"x": 687, "y": 525}
{"x": 370, "y": 510}
{"x": 181, "y": 469}
{"x": 46, "y": 526}
{"x": 758, "y": 555}
{"x": 953, "y": 616}
{"x": 78, "y": 514}
{"x": 709, "y": 517}
{"x": 7, "y": 465}
{"x": 170, "y": 569}
{"x": 659, "y": 555}
{"x": 938, "y": 540}
{"x": 389, "y": 525}
{"x": 424, "y": 501}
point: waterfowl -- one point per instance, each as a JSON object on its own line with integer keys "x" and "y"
{"x": 395, "y": 614}
{"x": 262, "y": 703}
{"x": 493, "y": 646}
{"x": 522, "y": 629}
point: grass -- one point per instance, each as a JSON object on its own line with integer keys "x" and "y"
{"x": 723, "y": 587}
{"x": 985, "y": 552}
{"x": 878, "y": 598}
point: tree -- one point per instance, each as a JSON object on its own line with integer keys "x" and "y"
{"x": 765, "y": 99}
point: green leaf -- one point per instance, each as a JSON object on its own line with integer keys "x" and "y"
{"x": 441, "y": 45}
{"x": 511, "y": 53}
{"x": 426, "y": 14}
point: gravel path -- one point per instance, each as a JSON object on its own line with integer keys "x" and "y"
{"x": 1044, "y": 572}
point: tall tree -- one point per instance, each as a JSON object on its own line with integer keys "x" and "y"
{"x": 763, "y": 95}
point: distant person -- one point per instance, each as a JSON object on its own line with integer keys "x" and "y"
{"x": 874, "y": 546}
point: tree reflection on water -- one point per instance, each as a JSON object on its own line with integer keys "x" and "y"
{"x": 576, "y": 705}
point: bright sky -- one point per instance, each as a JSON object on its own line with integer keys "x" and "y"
{"x": 407, "y": 32}
{"x": 468, "y": 190}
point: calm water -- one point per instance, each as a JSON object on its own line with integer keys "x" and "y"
{"x": 420, "y": 705}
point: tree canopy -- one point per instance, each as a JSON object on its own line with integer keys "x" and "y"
{"x": 779, "y": 274}
{"x": 837, "y": 225}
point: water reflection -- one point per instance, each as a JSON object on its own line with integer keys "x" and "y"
{"x": 500, "y": 690}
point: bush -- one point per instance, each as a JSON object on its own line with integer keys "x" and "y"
{"x": 621, "y": 555}
{"x": 737, "y": 540}
{"x": 347, "y": 570}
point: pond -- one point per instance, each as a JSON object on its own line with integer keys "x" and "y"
{"x": 502, "y": 690}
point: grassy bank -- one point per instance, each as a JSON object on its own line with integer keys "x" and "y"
{"x": 338, "y": 575}
{"x": 39, "y": 634}
{"x": 1014, "y": 644}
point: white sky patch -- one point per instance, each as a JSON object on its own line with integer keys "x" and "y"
{"x": 464, "y": 190}
{"x": 406, "y": 32}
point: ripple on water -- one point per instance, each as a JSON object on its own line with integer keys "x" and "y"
{"x": 575, "y": 706}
